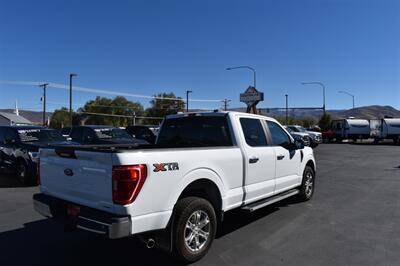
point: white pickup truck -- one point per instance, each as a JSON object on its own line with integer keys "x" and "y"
{"x": 174, "y": 194}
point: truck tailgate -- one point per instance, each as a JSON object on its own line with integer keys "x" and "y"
{"x": 82, "y": 177}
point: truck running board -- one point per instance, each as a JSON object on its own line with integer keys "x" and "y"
{"x": 268, "y": 201}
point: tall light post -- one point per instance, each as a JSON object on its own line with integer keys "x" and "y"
{"x": 44, "y": 85}
{"x": 287, "y": 109}
{"x": 323, "y": 91}
{"x": 187, "y": 100}
{"x": 248, "y": 67}
{"x": 345, "y": 92}
{"x": 71, "y": 75}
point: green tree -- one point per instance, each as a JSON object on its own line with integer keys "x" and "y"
{"x": 308, "y": 122}
{"x": 325, "y": 122}
{"x": 105, "y": 111}
{"x": 60, "y": 118}
{"x": 162, "y": 107}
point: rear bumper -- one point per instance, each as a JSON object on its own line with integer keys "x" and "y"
{"x": 96, "y": 221}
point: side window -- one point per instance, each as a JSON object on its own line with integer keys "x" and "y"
{"x": 76, "y": 134}
{"x": 253, "y": 132}
{"x": 88, "y": 135}
{"x": 278, "y": 135}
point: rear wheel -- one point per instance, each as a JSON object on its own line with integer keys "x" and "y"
{"x": 308, "y": 184}
{"x": 194, "y": 229}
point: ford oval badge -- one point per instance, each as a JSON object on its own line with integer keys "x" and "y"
{"x": 68, "y": 172}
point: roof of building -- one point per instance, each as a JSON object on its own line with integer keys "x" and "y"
{"x": 16, "y": 119}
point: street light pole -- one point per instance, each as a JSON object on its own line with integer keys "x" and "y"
{"x": 323, "y": 91}
{"x": 345, "y": 92}
{"x": 71, "y": 75}
{"x": 287, "y": 109}
{"x": 44, "y": 85}
{"x": 248, "y": 67}
{"x": 187, "y": 100}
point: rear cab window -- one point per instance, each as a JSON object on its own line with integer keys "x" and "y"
{"x": 253, "y": 132}
{"x": 195, "y": 131}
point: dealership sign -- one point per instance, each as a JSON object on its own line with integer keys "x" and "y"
{"x": 251, "y": 96}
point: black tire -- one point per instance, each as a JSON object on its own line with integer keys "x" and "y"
{"x": 186, "y": 209}
{"x": 24, "y": 176}
{"x": 308, "y": 176}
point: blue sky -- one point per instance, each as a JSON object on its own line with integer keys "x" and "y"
{"x": 146, "y": 47}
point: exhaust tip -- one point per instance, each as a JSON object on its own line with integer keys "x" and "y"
{"x": 150, "y": 243}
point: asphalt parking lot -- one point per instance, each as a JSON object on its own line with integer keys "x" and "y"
{"x": 353, "y": 219}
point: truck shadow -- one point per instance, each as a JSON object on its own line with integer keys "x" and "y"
{"x": 44, "y": 243}
{"x": 238, "y": 218}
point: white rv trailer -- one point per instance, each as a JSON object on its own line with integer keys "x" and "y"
{"x": 351, "y": 129}
{"x": 386, "y": 128}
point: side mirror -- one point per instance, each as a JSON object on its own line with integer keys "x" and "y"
{"x": 299, "y": 144}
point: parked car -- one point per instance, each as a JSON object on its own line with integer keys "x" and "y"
{"x": 141, "y": 132}
{"x": 314, "y": 128}
{"x": 19, "y": 146}
{"x": 174, "y": 193}
{"x": 315, "y": 137}
{"x": 299, "y": 135}
{"x": 93, "y": 135}
{"x": 328, "y": 136}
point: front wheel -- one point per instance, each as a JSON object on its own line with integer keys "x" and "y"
{"x": 308, "y": 184}
{"x": 194, "y": 229}
{"x": 23, "y": 174}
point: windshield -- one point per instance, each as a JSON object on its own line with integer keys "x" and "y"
{"x": 111, "y": 133}
{"x": 298, "y": 129}
{"x": 39, "y": 135}
{"x": 289, "y": 129}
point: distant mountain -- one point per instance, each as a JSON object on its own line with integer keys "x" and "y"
{"x": 368, "y": 112}
{"x": 34, "y": 117}
{"x": 365, "y": 112}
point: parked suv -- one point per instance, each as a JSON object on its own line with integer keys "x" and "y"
{"x": 315, "y": 137}
{"x": 299, "y": 136}
{"x": 91, "y": 135}
{"x": 19, "y": 146}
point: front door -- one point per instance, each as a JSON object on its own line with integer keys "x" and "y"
{"x": 287, "y": 159}
{"x": 259, "y": 160}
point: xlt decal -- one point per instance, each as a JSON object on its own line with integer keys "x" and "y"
{"x": 162, "y": 167}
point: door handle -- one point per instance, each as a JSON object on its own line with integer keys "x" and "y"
{"x": 253, "y": 160}
{"x": 280, "y": 157}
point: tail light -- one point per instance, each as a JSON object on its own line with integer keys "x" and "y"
{"x": 127, "y": 181}
{"x": 38, "y": 172}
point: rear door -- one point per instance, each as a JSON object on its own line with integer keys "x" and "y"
{"x": 287, "y": 160}
{"x": 83, "y": 177}
{"x": 259, "y": 160}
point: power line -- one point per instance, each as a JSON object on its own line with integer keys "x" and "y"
{"x": 99, "y": 91}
